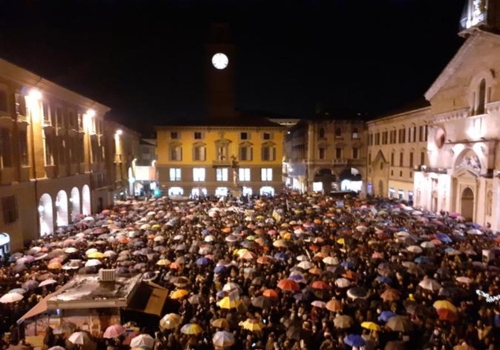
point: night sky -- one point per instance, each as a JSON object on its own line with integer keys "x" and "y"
{"x": 145, "y": 58}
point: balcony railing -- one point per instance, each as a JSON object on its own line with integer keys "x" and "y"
{"x": 221, "y": 163}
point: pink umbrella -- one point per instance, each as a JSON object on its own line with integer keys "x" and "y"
{"x": 114, "y": 331}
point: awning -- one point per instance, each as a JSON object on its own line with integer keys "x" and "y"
{"x": 149, "y": 298}
{"x": 36, "y": 310}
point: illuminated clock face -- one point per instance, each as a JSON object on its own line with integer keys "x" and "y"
{"x": 220, "y": 61}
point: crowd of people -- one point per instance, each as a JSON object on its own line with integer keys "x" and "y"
{"x": 294, "y": 271}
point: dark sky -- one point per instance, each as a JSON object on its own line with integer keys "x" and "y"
{"x": 145, "y": 58}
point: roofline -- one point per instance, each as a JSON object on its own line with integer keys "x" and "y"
{"x": 394, "y": 116}
{"x": 225, "y": 127}
{"x": 25, "y": 77}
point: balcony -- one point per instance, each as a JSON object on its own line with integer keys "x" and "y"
{"x": 221, "y": 163}
{"x": 339, "y": 161}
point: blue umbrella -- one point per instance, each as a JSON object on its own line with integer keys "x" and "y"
{"x": 280, "y": 256}
{"x": 347, "y": 264}
{"x": 384, "y": 279}
{"x": 219, "y": 269}
{"x": 205, "y": 232}
{"x": 386, "y": 315}
{"x": 202, "y": 261}
{"x": 423, "y": 260}
{"x": 444, "y": 238}
{"x": 354, "y": 340}
{"x": 220, "y": 294}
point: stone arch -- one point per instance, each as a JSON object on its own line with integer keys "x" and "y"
{"x": 351, "y": 179}
{"x": 86, "y": 204}
{"x": 470, "y": 161}
{"x": 62, "y": 208}
{"x": 327, "y": 177}
{"x": 46, "y": 212}
{"x": 75, "y": 203}
{"x": 467, "y": 199}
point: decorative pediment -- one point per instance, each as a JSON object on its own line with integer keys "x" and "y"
{"x": 222, "y": 142}
{"x": 175, "y": 144}
{"x": 246, "y": 144}
{"x": 468, "y": 162}
{"x": 379, "y": 158}
{"x": 268, "y": 144}
{"x": 199, "y": 144}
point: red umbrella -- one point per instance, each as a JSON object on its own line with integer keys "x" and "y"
{"x": 320, "y": 285}
{"x": 288, "y": 285}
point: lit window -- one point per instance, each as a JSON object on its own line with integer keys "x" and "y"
{"x": 199, "y": 174}
{"x": 221, "y": 174}
{"x": 244, "y": 174}
{"x": 267, "y": 174}
{"x": 355, "y": 133}
{"x": 175, "y": 174}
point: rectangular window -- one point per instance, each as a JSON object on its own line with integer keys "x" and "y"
{"x": 384, "y": 138}
{"x": 268, "y": 153}
{"x": 266, "y": 136}
{"x": 174, "y": 135}
{"x": 401, "y": 158}
{"x": 59, "y": 117}
{"x": 3, "y": 101}
{"x": 199, "y": 174}
{"x": 422, "y": 158}
{"x": 355, "y": 153}
{"x": 392, "y": 159}
{"x": 401, "y": 135}
{"x": 5, "y": 148}
{"x": 9, "y": 209}
{"x": 199, "y": 153}
{"x": 267, "y": 174}
{"x": 46, "y": 114}
{"x": 370, "y": 140}
{"x": 23, "y": 147}
{"x": 369, "y": 158}
{"x": 338, "y": 153}
{"x": 377, "y": 139}
{"x": 222, "y": 174}
{"x": 197, "y": 135}
{"x": 176, "y": 153}
{"x": 243, "y": 136}
{"x": 411, "y": 159}
{"x": 322, "y": 153}
{"x": 244, "y": 174}
{"x": 245, "y": 153}
{"x": 20, "y": 105}
{"x": 48, "y": 149}
{"x": 175, "y": 174}
{"x": 222, "y": 153}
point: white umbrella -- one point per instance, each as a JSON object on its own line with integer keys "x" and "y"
{"x": 142, "y": 341}
{"x": 47, "y": 282}
{"x": 93, "y": 262}
{"x": 70, "y": 250}
{"x": 223, "y": 339}
{"x": 331, "y": 260}
{"x": 11, "y": 298}
{"x": 109, "y": 253}
{"x": 414, "y": 249}
{"x": 230, "y": 286}
{"x": 430, "y": 284}
{"x": 90, "y": 251}
{"x": 306, "y": 265}
{"x": 342, "y": 282}
{"x": 79, "y": 338}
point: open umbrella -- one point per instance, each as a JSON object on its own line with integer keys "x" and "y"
{"x": 11, "y": 298}
{"x": 399, "y": 324}
{"x": 354, "y": 340}
{"x": 114, "y": 331}
{"x": 220, "y": 323}
{"x": 170, "y": 321}
{"x": 142, "y": 341}
{"x": 191, "y": 329}
{"x": 252, "y": 325}
{"x": 223, "y": 339}
{"x": 79, "y": 338}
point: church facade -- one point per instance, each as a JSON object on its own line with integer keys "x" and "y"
{"x": 462, "y": 173}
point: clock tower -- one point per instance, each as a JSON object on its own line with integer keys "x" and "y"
{"x": 220, "y": 69}
{"x": 480, "y": 14}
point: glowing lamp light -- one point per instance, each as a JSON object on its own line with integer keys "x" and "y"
{"x": 35, "y": 95}
{"x": 41, "y": 209}
{"x": 119, "y": 132}
{"x": 91, "y": 113}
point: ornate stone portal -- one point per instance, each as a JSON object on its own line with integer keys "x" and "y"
{"x": 470, "y": 161}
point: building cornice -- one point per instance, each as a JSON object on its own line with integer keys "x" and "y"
{"x": 31, "y": 80}
{"x": 216, "y": 128}
{"x": 454, "y": 65}
{"x": 403, "y": 116}
{"x": 450, "y": 116}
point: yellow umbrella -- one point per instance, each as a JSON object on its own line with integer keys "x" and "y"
{"x": 240, "y": 252}
{"x": 54, "y": 266}
{"x": 170, "y": 321}
{"x": 229, "y": 303}
{"x": 220, "y": 323}
{"x": 252, "y": 325}
{"x": 371, "y": 326}
{"x": 163, "y": 262}
{"x": 191, "y": 329}
{"x": 444, "y": 304}
{"x": 178, "y": 294}
{"x": 341, "y": 241}
{"x": 95, "y": 255}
